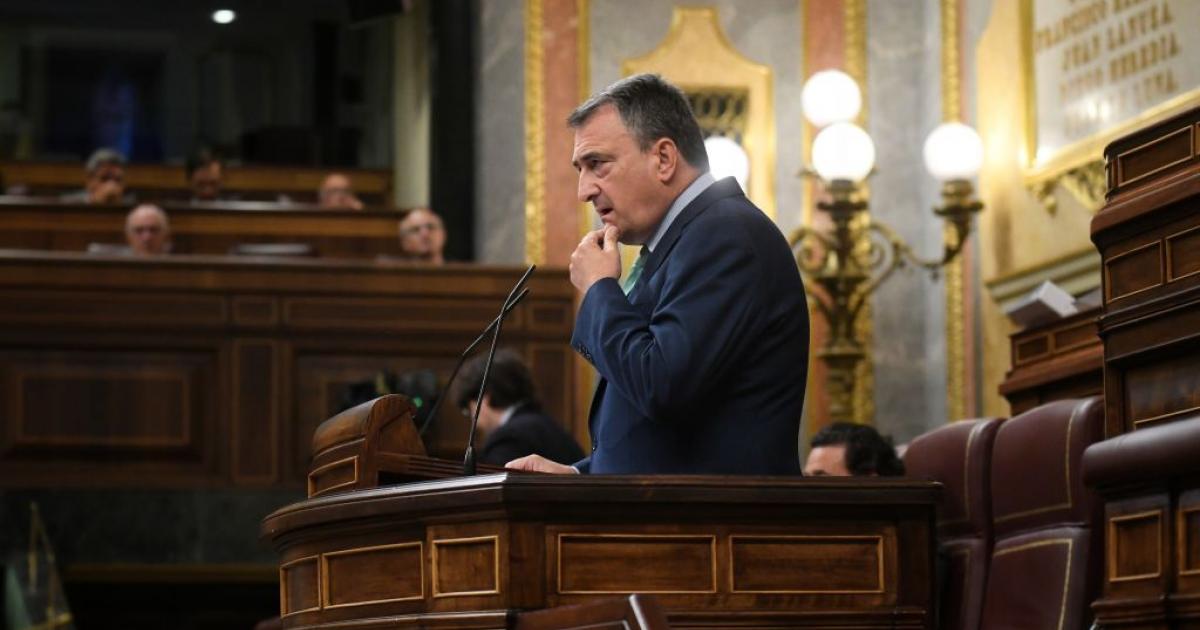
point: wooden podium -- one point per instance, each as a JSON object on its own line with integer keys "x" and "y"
{"x": 470, "y": 552}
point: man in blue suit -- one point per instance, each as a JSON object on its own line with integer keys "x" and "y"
{"x": 703, "y": 349}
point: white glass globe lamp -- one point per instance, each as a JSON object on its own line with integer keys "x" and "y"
{"x": 953, "y": 152}
{"x": 830, "y": 96}
{"x": 843, "y": 152}
{"x": 727, "y": 158}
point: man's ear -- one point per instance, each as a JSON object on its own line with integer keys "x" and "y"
{"x": 667, "y": 156}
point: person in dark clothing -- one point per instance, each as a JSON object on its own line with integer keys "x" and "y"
{"x": 845, "y": 449}
{"x": 510, "y": 416}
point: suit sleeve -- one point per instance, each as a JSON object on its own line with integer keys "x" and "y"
{"x": 664, "y": 362}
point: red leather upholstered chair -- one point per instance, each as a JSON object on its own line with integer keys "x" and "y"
{"x": 1046, "y": 558}
{"x": 959, "y": 455}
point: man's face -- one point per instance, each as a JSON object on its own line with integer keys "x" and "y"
{"x": 422, "y": 234}
{"x": 620, "y": 180}
{"x": 106, "y": 184}
{"x": 146, "y": 232}
{"x": 206, "y": 182}
{"x": 489, "y": 416}
{"x": 337, "y": 193}
{"x": 827, "y": 461}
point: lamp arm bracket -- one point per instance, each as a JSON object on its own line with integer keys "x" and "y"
{"x": 903, "y": 250}
{"x": 807, "y": 258}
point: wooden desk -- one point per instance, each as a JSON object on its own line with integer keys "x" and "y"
{"x": 746, "y": 552}
{"x": 251, "y": 182}
{"x": 1148, "y": 234}
{"x": 1061, "y": 359}
{"x": 202, "y": 229}
{"x": 190, "y": 370}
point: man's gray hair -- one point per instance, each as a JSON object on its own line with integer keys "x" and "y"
{"x": 148, "y": 207}
{"x": 651, "y": 108}
{"x": 103, "y": 156}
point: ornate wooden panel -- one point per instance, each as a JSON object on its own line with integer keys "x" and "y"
{"x": 218, "y": 370}
{"x": 1148, "y": 235}
{"x": 376, "y": 574}
{"x": 1060, "y": 359}
{"x": 760, "y": 552}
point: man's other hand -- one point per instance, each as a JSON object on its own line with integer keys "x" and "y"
{"x": 537, "y": 463}
{"x": 597, "y": 256}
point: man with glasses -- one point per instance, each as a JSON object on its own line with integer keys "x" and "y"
{"x": 422, "y": 237}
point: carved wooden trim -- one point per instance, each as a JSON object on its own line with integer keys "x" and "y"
{"x": 1183, "y": 536}
{"x": 316, "y": 472}
{"x": 1113, "y": 540}
{"x": 326, "y": 575}
{"x": 814, "y": 538}
{"x": 446, "y": 542}
{"x": 284, "y": 600}
{"x": 712, "y": 540}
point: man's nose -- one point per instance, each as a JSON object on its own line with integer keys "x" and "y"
{"x": 587, "y": 189}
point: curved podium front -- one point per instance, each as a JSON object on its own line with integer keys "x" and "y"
{"x": 746, "y": 552}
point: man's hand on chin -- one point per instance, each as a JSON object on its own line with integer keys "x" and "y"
{"x": 537, "y": 463}
{"x": 596, "y": 257}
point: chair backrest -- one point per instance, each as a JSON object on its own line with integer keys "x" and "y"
{"x": 959, "y": 456}
{"x": 1046, "y": 556}
{"x": 636, "y": 612}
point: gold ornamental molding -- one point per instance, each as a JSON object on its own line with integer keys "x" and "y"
{"x": 535, "y": 135}
{"x": 955, "y": 272}
{"x": 698, "y": 57}
{"x": 855, "y": 17}
{"x": 583, "y": 40}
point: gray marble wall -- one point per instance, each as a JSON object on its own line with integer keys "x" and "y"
{"x": 500, "y": 133}
{"x": 904, "y": 100}
{"x": 766, "y": 31}
{"x": 757, "y": 30}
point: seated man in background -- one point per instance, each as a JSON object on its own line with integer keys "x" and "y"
{"x": 510, "y": 416}
{"x": 845, "y": 449}
{"x": 105, "y": 179}
{"x": 337, "y": 193}
{"x": 422, "y": 236}
{"x": 205, "y": 172}
{"x": 147, "y": 231}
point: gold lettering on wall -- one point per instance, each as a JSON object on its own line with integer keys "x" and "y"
{"x": 1100, "y": 64}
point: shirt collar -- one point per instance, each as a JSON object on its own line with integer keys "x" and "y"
{"x": 689, "y": 194}
{"x": 508, "y": 413}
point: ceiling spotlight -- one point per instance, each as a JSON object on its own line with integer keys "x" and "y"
{"x": 223, "y": 16}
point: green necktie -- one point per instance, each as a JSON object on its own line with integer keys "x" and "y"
{"x": 635, "y": 271}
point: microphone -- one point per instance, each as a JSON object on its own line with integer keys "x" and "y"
{"x": 437, "y": 404}
{"x": 469, "y": 454}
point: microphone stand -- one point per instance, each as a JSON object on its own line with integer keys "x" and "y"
{"x": 469, "y": 455}
{"x": 462, "y": 358}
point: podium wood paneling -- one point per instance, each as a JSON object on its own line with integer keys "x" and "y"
{"x": 159, "y": 180}
{"x": 1148, "y": 235}
{"x": 202, "y": 229}
{"x": 187, "y": 370}
{"x": 751, "y": 552}
{"x": 1055, "y": 361}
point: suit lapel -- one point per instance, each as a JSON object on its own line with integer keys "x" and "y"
{"x": 720, "y": 189}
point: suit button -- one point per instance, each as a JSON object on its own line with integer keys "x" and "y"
{"x": 593, "y": 448}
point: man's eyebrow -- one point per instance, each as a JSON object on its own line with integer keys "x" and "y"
{"x": 588, "y": 156}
